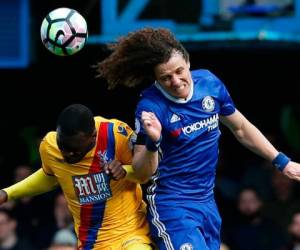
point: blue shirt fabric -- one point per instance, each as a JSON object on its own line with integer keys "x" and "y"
{"x": 190, "y": 132}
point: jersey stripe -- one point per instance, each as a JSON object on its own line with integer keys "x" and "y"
{"x": 92, "y": 214}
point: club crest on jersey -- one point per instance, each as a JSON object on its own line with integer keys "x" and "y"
{"x": 103, "y": 157}
{"x": 92, "y": 188}
{"x": 186, "y": 246}
{"x": 208, "y": 103}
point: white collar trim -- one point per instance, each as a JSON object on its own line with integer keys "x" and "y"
{"x": 172, "y": 98}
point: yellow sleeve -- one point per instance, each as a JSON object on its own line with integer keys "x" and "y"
{"x": 124, "y": 137}
{"x": 130, "y": 174}
{"x": 35, "y": 184}
{"x": 44, "y": 156}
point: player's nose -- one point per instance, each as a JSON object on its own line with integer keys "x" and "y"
{"x": 175, "y": 81}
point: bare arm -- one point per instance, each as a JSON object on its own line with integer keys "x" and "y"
{"x": 145, "y": 159}
{"x": 144, "y": 162}
{"x": 249, "y": 136}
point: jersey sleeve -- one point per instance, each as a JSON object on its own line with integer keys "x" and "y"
{"x": 227, "y": 106}
{"x": 125, "y": 137}
{"x": 35, "y": 184}
{"x": 44, "y": 157}
{"x": 145, "y": 104}
{"x": 130, "y": 174}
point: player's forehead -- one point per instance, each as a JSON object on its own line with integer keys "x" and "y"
{"x": 175, "y": 62}
{"x": 76, "y": 141}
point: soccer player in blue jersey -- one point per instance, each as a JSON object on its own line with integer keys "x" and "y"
{"x": 177, "y": 122}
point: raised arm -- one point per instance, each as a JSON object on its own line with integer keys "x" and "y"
{"x": 249, "y": 136}
{"x": 145, "y": 159}
{"x": 144, "y": 163}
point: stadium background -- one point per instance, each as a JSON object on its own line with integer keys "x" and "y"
{"x": 262, "y": 76}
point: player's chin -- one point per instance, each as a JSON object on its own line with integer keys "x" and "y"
{"x": 181, "y": 94}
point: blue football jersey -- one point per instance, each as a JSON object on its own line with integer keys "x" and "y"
{"x": 190, "y": 132}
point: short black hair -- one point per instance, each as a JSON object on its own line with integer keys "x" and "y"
{"x": 76, "y": 118}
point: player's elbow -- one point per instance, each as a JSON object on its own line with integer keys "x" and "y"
{"x": 144, "y": 180}
{"x": 143, "y": 173}
{"x": 144, "y": 166}
{"x": 142, "y": 176}
{"x": 239, "y": 135}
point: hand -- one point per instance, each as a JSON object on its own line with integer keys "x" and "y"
{"x": 3, "y": 197}
{"x": 115, "y": 170}
{"x": 151, "y": 125}
{"x": 292, "y": 170}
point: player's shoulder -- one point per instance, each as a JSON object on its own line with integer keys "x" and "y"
{"x": 121, "y": 128}
{"x": 118, "y": 125}
{"x": 150, "y": 92}
{"x": 114, "y": 121}
{"x": 49, "y": 143}
{"x": 204, "y": 78}
{"x": 152, "y": 99}
{"x": 99, "y": 119}
{"x": 50, "y": 138}
{"x": 203, "y": 74}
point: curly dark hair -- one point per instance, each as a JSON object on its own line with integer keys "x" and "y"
{"x": 134, "y": 56}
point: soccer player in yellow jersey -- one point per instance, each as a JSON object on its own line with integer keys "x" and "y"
{"x": 85, "y": 156}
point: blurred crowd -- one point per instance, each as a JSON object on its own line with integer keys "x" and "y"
{"x": 260, "y": 207}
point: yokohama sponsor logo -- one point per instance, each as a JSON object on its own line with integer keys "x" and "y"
{"x": 209, "y": 123}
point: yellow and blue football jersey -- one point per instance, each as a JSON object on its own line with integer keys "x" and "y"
{"x": 108, "y": 214}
